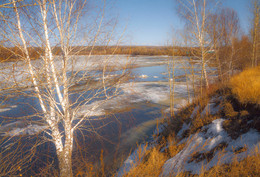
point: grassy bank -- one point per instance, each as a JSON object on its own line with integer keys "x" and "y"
{"x": 234, "y": 109}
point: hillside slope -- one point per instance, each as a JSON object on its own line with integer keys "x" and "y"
{"x": 217, "y": 135}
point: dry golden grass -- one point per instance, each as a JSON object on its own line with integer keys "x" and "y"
{"x": 244, "y": 90}
{"x": 150, "y": 166}
{"x": 199, "y": 122}
{"x": 173, "y": 148}
{"x": 228, "y": 110}
{"x": 246, "y": 86}
{"x": 154, "y": 160}
{"x": 247, "y": 167}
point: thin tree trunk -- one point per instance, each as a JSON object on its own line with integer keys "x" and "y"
{"x": 255, "y": 34}
{"x": 220, "y": 75}
{"x": 200, "y": 36}
{"x": 28, "y": 60}
{"x": 203, "y": 64}
{"x": 65, "y": 157}
{"x": 205, "y": 73}
{"x": 171, "y": 83}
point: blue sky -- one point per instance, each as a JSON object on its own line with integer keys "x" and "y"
{"x": 150, "y": 22}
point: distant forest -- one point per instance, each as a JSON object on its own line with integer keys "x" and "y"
{"x": 35, "y": 52}
{"x": 243, "y": 46}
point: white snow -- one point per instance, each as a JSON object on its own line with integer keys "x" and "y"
{"x": 7, "y": 108}
{"x": 143, "y": 76}
{"x": 249, "y": 140}
{"x": 28, "y": 130}
{"x": 16, "y": 73}
{"x": 133, "y": 93}
{"x": 163, "y": 73}
{"x": 92, "y": 109}
{"x": 146, "y": 92}
{"x": 194, "y": 112}
{"x": 206, "y": 140}
{"x": 184, "y": 128}
{"x": 181, "y": 103}
{"x": 210, "y": 109}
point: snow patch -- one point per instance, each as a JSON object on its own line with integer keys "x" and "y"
{"x": 92, "y": 109}
{"x": 182, "y": 103}
{"x": 132, "y": 93}
{"x": 29, "y": 130}
{"x": 146, "y": 91}
{"x": 143, "y": 76}
{"x": 194, "y": 112}
{"x": 212, "y": 108}
{"x": 183, "y": 129}
{"x": 206, "y": 140}
{"x": 8, "y": 108}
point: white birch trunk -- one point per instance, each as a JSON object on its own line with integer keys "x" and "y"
{"x": 201, "y": 38}
{"x": 51, "y": 58}
{"x": 28, "y": 60}
{"x": 64, "y": 152}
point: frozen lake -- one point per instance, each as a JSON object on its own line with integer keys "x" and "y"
{"x": 117, "y": 125}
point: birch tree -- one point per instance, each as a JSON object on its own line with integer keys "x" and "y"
{"x": 195, "y": 13}
{"x": 47, "y": 24}
{"x": 223, "y": 29}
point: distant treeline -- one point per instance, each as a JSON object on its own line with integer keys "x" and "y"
{"x": 133, "y": 50}
{"x": 14, "y": 53}
{"x": 241, "y": 46}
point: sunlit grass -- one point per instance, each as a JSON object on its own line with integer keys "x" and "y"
{"x": 244, "y": 89}
{"x": 247, "y": 167}
{"x": 246, "y": 86}
{"x": 151, "y": 165}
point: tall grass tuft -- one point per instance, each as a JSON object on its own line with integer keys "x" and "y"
{"x": 151, "y": 165}
{"x": 246, "y": 86}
